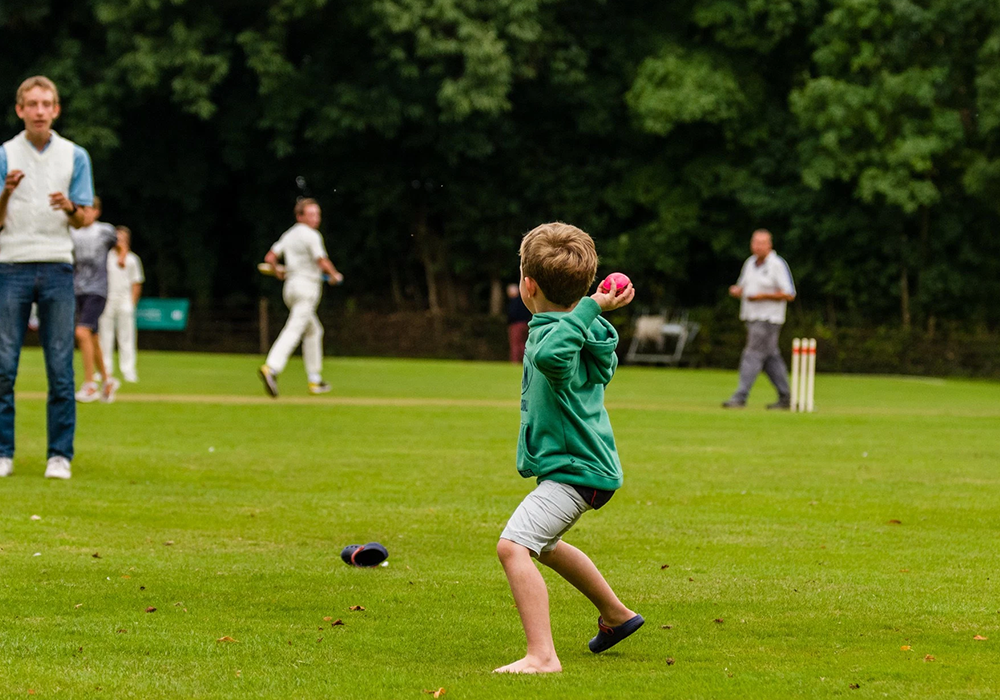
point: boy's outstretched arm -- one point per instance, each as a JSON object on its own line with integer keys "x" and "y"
{"x": 558, "y": 353}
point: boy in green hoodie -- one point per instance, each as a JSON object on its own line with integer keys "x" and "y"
{"x": 566, "y": 440}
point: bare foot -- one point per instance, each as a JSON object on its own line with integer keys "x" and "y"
{"x": 531, "y": 664}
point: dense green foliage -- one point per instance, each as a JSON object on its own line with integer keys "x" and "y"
{"x": 864, "y": 133}
{"x": 773, "y": 556}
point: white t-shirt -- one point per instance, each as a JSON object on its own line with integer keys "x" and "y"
{"x": 120, "y": 280}
{"x": 301, "y": 246}
{"x": 769, "y": 277}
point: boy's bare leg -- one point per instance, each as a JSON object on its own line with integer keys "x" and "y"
{"x": 577, "y": 568}
{"x": 95, "y": 349}
{"x": 532, "y": 600}
{"x": 83, "y": 340}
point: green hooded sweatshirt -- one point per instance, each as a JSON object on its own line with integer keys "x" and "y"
{"x": 565, "y": 431}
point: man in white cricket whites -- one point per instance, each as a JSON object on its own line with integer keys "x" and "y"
{"x": 306, "y": 261}
{"x": 764, "y": 289}
{"x": 47, "y": 184}
{"x": 118, "y": 320}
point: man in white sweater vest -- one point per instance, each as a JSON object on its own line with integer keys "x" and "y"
{"x": 47, "y": 183}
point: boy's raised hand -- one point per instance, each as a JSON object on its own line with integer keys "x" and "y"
{"x": 609, "y": 300}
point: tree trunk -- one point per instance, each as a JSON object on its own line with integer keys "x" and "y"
{"x": 904, "y": 284}
{"x": 496, "y": 296}
{"x": 446, "y": 284}
{"x": 422, "y": 235}
{"x": 923, "y": 257}
{"x": 396, "y": 286}
{"x": 904, "y": 297}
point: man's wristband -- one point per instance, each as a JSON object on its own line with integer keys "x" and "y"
{"x": 72, "y": 211}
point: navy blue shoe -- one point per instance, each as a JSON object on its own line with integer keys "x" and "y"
{"x": 607, "y": 637}
{"x": 371, "y": 554}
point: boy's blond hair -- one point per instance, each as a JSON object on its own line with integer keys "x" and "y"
{"x": 561, "y": 259}
{"x": 37, "y": 81}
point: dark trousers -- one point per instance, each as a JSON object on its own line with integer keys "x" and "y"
{"x": 517, "y": 334}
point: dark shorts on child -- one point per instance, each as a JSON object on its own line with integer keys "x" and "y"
{"x": 595, "y": 498}
{"x": 89, "y": 308}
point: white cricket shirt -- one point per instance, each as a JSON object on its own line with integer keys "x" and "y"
{"x": 120, "y": 280}
{"x": 301, "y": 246}
{"x": 770, "y": 277}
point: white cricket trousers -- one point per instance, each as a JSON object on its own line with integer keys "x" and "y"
{"x": 118, "y": 321}
{"x": 301, "y": 297}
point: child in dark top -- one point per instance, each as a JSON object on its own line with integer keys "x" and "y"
{"x": 565, "y": 440}
{"x": 517, "y": 323}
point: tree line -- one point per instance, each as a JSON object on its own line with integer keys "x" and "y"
{"x": 865, "y": 134}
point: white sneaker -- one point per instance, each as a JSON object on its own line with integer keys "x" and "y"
{"x": 109, "y": 390}
{"x": 131, "y": 378}
{"x": 58, "y": 468}
{"x": 6, "y": 466}
{"x": 88, "y": 393}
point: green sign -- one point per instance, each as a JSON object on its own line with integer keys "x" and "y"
{"x": 162, "y": 314}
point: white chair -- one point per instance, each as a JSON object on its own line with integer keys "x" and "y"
{"x": 650, "y": 335}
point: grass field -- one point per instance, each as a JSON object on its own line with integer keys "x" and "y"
{"x": 849, "y": 553}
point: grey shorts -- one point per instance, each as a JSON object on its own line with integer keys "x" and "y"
{"x": 544, "y": 516}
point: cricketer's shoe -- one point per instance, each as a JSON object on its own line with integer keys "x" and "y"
{"x": 6, "y": 466}
{"x": 319, "y": 388}
{"x": 780, "y": 405}
{"x": 58, "y": 468}
{"x": 88, "y": 393}
{"x": 131, "y": 378}
{"x": 270, "y": 380}
{"x": 109, "y": 390}
{"x": 733, "y": 403}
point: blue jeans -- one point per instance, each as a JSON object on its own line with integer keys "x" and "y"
{"x": 50, "y": 285}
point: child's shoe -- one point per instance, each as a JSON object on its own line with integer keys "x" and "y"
{"x": 88, "y": 393}
{"x": 607, "y": 637}
{"x": 109, "y": 390}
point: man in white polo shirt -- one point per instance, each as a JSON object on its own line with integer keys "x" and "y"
{"x": 47, "y": 184}
{"x": 306, "y": 261}
{"x": 764, "y": 289}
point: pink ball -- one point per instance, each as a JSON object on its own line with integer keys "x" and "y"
{"x": 621, "y": 281}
